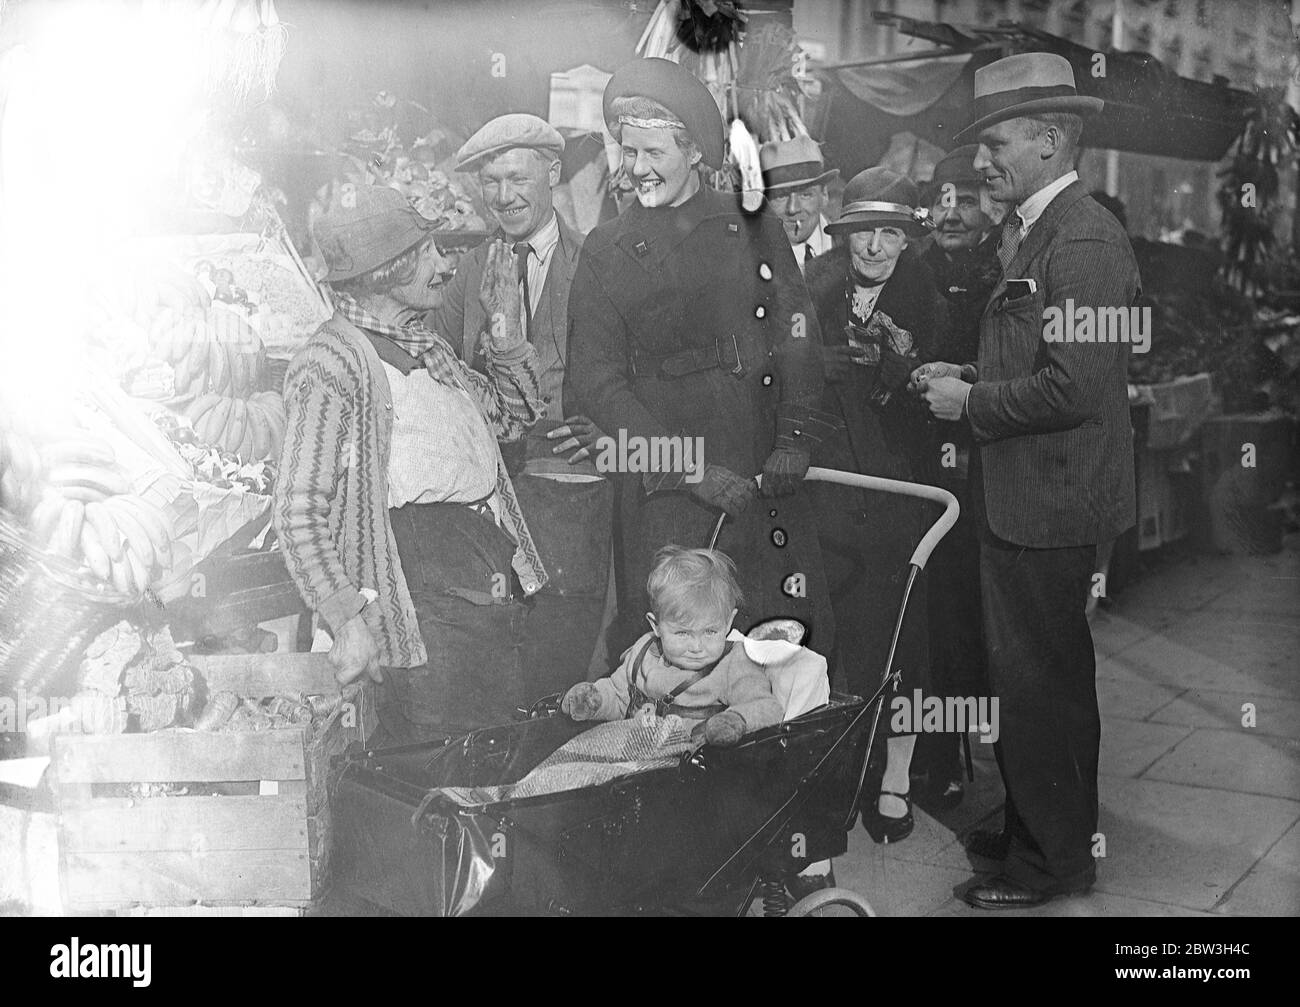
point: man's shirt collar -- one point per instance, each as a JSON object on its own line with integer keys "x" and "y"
{"x": 1032, "y": 208}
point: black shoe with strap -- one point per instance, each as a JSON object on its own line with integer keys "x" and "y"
{"x": 885, "y": 828}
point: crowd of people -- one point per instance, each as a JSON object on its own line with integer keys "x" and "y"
{"x": 442, "y": 509}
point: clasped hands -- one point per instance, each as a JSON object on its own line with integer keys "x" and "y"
{"x": 940, "y": 384}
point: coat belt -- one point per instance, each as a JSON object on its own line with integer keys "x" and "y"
{"x": 723, "y": 353}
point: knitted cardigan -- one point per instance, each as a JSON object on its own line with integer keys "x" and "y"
{"x": 330, "y": 506}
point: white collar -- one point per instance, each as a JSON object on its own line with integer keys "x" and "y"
{"x": 819, "y": 241}
{"x": 1032, "y": 208}
{"x": 545, "y": 239}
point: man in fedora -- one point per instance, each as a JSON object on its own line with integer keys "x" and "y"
{"x": 689, "y": 320}
{"x": 391, "y": 484}
{"x": 795, "y": 178}
{"x": 568, "y": 504}
{"x": 1053, "y": 474}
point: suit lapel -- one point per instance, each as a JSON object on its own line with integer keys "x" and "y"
{"x": 1039, "y": 235}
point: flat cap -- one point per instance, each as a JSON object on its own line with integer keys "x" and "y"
{"x": 676, "y": 89}
{"x": 518, "y": 129}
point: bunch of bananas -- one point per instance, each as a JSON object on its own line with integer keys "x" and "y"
{"x": 79, "y": 506}
{"x": 213, "y": 352}
{"x": 251, "y": 428}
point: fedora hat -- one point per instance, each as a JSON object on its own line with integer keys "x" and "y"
{"x": 1022, "y": 85}
{"x": 879, "y": 197}
{"x": 676, "y": 89}
{"x": 366, "y": 226}
{"x": 793, "y": 164}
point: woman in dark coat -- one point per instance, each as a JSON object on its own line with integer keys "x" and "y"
{"x": 689, "y": 319}
{"x": 880, "y": 315}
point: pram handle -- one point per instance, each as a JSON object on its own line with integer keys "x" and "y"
{"x": 921, "y": 554}
{"x": 935, "y": 494}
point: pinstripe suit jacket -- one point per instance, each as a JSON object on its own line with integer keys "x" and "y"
{"x": 1051, "y": 418}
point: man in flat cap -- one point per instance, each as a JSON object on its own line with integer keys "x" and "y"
{"x": 962, "y": 253}
{"x": 690, "y": 321}
{"x": 795, "y": 179}
{"x": 568, "y": 504}
{"x": 391, "y": 483}
{"x": 1053, "y": 474}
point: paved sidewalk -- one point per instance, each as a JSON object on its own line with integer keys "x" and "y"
{"x": 1201, "y": 815}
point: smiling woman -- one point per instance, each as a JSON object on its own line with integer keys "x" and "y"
{"x": 658, "y": 152}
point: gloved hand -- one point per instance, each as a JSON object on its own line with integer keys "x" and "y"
{"x": 784, "y": 471}
{"x": 895, "y": 370}
{"x": 722, "y": 488}
{"x": 724, "y": 729}
{"x": 582, "y": 701}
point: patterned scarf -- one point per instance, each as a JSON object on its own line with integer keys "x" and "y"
{"x": 445, "y": 367}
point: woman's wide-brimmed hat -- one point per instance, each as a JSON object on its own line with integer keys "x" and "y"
{"x": 793, "y": 164}
{"x": 676, "y": 89}
{"x": 1022, "y": 85}
{"x": 879, "y": 197}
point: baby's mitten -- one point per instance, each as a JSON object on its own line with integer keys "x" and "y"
{"x": 582, "y": 702}
{"x": 724, "y": 729}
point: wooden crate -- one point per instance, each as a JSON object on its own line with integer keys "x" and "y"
{"x": 265, "y": 840}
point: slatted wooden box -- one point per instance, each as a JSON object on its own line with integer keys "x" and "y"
{"x": 264, "y": 840}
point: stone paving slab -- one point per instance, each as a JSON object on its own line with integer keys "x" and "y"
{"x": 1133, "y": 698}
{"x": 1209, "y": 708}
{"x": 1128, "y": 747}
{"x": 1236, "y": 760}
{"x": 1272, "y": 888}
{"x": 1183, "y": 845}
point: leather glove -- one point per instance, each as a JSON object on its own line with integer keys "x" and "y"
{"x": 725, "y": 490}
{"x": 799, "y": 429}
{"x": 784, "y": 471}
{"x": 724, "y": 729}
{"x": 582, "y": 701}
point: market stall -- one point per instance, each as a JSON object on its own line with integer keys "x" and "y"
{"x": 147, "y": 621}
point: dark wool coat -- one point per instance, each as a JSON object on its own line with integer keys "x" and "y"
{"x": 701, "y": 276}
{"x": 867, "y": 538}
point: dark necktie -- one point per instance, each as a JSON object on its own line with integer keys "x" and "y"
{"x": 1011, "y": 238}
{"x": 808, "y": 255}
{"x": 522, "y": 250}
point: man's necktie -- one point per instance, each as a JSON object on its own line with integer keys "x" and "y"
{"x": 808, "y": 255}
{"x": 1011, "y": 238}
{"x": 522, "y": 250}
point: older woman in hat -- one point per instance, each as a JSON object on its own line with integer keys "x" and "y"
{"x": 689, "y": 319}
{"x": 397, "y": 519}
{"x": 880, "y": 315}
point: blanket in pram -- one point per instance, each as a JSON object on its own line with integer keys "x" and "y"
{"x": 606, "y": 752}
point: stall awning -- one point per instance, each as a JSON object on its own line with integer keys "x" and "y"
{"x": 1149, "y": 109}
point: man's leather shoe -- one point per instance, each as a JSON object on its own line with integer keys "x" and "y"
{"x": 988, "y": 844}
{"x": 1004, "y": 893}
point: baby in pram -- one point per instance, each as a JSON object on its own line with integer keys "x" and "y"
{"x": 686, "y": 665}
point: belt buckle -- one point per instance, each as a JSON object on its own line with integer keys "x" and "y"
{"x": 735, "y": 348}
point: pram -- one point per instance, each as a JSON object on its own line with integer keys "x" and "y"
{"x": 705, "y": 835}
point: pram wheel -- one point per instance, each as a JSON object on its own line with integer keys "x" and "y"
{"x": 832, "y": 902}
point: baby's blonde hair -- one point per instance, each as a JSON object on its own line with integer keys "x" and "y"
{"x": 685, "y": 583}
